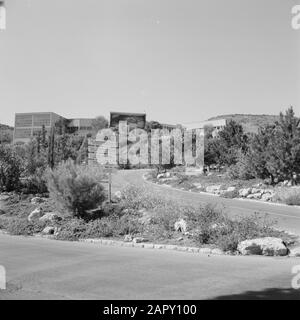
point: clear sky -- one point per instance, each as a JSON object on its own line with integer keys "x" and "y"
{"x": 179, "y": 61}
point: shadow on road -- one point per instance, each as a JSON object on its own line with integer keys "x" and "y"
{"x": 268, "y": 294}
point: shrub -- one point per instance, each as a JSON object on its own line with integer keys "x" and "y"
{"x": 289, "y": 196}
{"x": 17, "y": 226}
{"x": 71, "y": 229}
{"x": 76, "y": 188}
{"x": 231, "y": 194}
{"x": 10, "y": 169}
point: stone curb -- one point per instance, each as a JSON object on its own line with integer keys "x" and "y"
{"x": 217, "y": 195}
{"x": 147, "y": 245}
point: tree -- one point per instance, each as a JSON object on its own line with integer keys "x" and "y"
{"x": 99, "y": 123}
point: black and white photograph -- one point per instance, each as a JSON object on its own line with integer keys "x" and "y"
{"x": 149, "y": 151}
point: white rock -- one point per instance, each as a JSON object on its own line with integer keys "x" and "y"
{"x": 244, "y": 192}
{"x": 255, "y": 190}
{"x": 257, "y": 195}
{"x": 168, "y": 175}
{"x": 4, "y": 197}
{"x": 268, "y": 246}
{"x": 230, "y": 189}
{"x": 50, "y": 216}
{"x": 139, "y": 240}
{"x": 37, "y": 200}
{"x": 213, "y": 189}
{"x": 159, "y": 176}
{"x": 295, "y": 252}
{"x": 118, "y": 195}
{"x": 266, "y": 197}
{"x": 35, "y": 214}
{"x": 49, "y": 230}
{"x": 180, "y": 226}
{"x": 128, "y": 238}
{"x": 197, "y": 185}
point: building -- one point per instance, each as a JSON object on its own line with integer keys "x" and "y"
{"x": 134, "y": 120}
{"x": 218, "y": 125}
{"x": 28, "y": 125}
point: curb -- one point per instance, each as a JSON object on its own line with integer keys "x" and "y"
{"x": 147, "y": 245}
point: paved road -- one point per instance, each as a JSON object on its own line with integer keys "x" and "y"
{"x": 48, "y": 269}
{"x": 288, "y": 217}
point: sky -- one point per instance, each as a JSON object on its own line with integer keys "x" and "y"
{"x": 180, "y": 61}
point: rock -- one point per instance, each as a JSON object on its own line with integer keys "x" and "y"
{"x": 179, "y": 239}
{"x": 268, "y": 246}
{"x": 197, "y": 185}
{"x": 49, "y": 230}
{"x": 266, "y": 197}
{"x": 231, "y": 189}
{"x": 250, "y": 196}
{"x": 50, "y": 216}
{"x": 217, "y": 251}
{"x": 118, "y": 195}
{"x": 161, "y": 175}
{"x": 257, "y": 195}
{"x": 4, "y": 197}
{"x": 285, "y": 182}
{"x": 244, "y": 192}
{"x": 128, "y": 238}
{"x": 180, "y": 226}
{"x": 213, "y": 189}
{"x": 37, "y": 200}
{"x": 35, "y": 214}
{"x": 168, "y": 175}
{"x": 139, "y": 240}
{"x": 258, "y": 185}
{"x": 255, "y": 190}
{"x": 295, "y": 252}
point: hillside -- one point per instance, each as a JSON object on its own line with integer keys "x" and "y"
{"x": 250, "y": 122}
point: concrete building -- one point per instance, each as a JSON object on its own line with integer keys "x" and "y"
{"x": 218, "y": 125}
{"x": 28, "y": 125}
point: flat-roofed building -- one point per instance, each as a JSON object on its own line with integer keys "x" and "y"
{"x": 218, "y": 125}
{"x": 29, "y": 124}
{"x": 82, "y": 126}
{"x": 134, "y": 120}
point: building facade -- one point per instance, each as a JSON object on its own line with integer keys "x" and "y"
{"x": 27, "y": 125}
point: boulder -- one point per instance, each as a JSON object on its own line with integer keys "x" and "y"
{"x": 118, "y": 195}
{"x": 161, "y": 175}
{"x": 266, "y": 197}
{"x": 37, "y": 200}
{"x": 197, "y": 185}
{"x": 213, "y": 189}
{"x": 35, "y": 214}
{"x": 244, "y": 192}
{"x": 167, "y": 174}
{"x": 231, "y": 189}
{"x": 180, "y": 226}
{"x": 50, "y": 216}
{"x": 128, "y": 238}
{"x": 49, "y": 230}
{"x": 268, "y": 246}
{"x": 4, "y": 197}
{"x": 139, "y": 240}
{"x": 257, "y": 195}
{"x": 295, "y": 252}
{"x": 255, "y": 190}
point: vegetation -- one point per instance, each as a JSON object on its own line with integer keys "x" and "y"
{"x": 76, "y": 188}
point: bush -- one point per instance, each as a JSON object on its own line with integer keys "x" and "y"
{"x": 76, "y": 188}
{"x": 289, "y": 196}
{"x": 17, "y": 226}
{"x": 231, "y": 194}
{"x": 10, "y": 169}
{"x": 71, "y": 229}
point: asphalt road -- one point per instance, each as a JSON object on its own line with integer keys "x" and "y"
{"x": 287, "y": 217}
{"x": 48, "y": 269}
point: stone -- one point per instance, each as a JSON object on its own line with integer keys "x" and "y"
{"x": 217, "y": 251}
{"x": 255, "y": 190}
{"x": 180, "y": 226}
{"x": 128, "y": 238}
{"x": 168, "y": 175}
{"x": 205, "y": 250}
{"x": 179, "y": 239}
{"x": 50, "y": 216}
{"x": 118, "y": 195}
{"x": 231, "y": 189}
{"x": 35, "y": 214}
{"x": 170, "y": 247}
{"x": 159, "y": 246}
{"x": 257, "y": 195}
{"x": 49, "y": 230}
{"x": 244, "y": 192}
{"x": 197, "y": 185}
{"x": 4, "y": 197}
{"x": 193, "y": 249}
{"x": 149, "y": 246}
{"x": 213, "y": 189}
{"x": 160, "y": 175}
{"x": 266, "y": 197}
{"x": 268, "y": 246}
{"x": 295, "y": 252}
{"x": 139, "y": 240}
{"x": 37, "y": 200}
